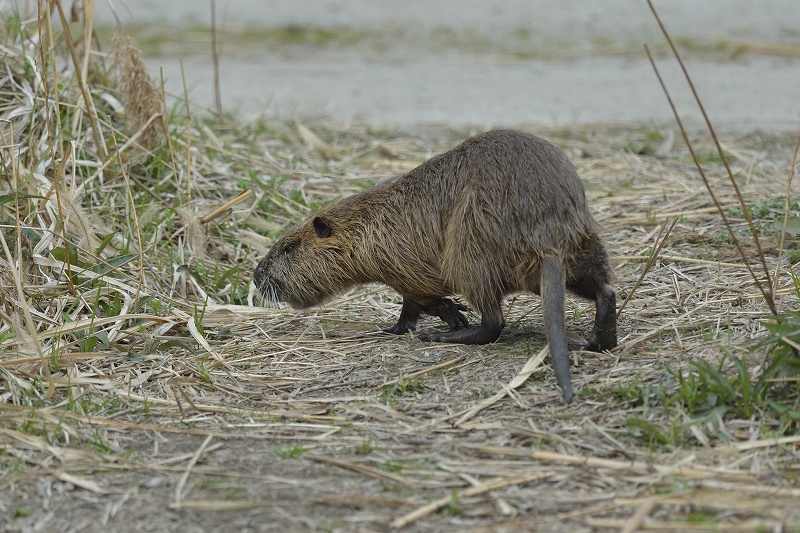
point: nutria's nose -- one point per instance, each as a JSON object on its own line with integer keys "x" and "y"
{"x": 259, "y": 275}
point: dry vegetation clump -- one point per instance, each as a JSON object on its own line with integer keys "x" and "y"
{"x": 144, "y": 102}
{"x": 140, "y": 391}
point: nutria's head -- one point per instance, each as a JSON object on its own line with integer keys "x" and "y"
{"x": 306, "y": 266}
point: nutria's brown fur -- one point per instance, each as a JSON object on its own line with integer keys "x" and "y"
{"x": 502, "y": 212}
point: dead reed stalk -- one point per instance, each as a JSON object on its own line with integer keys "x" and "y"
{"x": 768, "y": 290}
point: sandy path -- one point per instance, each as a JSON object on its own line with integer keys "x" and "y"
{"x": 483, "y": 63}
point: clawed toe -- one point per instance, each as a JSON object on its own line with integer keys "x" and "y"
{"x": 479, "y": 335}
{"x": 397, "y": 330}
{"x": 449, "y": 312}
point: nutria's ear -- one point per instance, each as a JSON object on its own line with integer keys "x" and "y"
{"x": 322, "y": 228}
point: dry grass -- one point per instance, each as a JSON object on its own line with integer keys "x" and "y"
{"x": 141, "y": 392}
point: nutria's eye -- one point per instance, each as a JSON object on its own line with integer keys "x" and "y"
{"x": 289, "y": 248}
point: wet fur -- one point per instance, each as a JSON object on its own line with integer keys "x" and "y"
{"x": 502, "y": 212}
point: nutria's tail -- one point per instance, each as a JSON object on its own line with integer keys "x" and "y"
{"x": 552, "y": 289}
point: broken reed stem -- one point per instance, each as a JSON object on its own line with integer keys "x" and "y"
{"x": 679, "y": 259}
{"x": 87, "y": 98}
{"x": 435, "y": 505}
{"x": 215, "y": 58}
{"x": 189, "y": 467}
{"x": 167, "y": 134}
{"x": 188, "y": 138}
{"x": 786, "y": 210}
{"x": 770, "y": 288}
{"x": 88, "y": 23}
{"x": 361, "y": 469}
{"x": 136, "y": 225}
{"x": 56, "y": 94}
{"x": 642, "y": 512}
{"x": 241, "y": 197}
{"x": 764, "y": 292}
{"x": 647, "y": 468}
{"x": 57, "y": 170}
{"x": 424, "y": 371}
{"x": 26, "y": 312}
{"x": 657, "y": 246}
{"x": 15, "y": 264}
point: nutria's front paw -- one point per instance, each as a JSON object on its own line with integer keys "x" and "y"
{"x": 449, "y": 312}
{"x": 577, "y": 346}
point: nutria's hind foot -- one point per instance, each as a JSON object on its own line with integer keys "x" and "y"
{"x": 397, "y": 329}
{"x": 604, "y": 333}
{"x": 478, "y": 335}
{"x": 488, "y": 331}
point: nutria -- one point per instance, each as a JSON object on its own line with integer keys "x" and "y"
{"x": 502, "y": 212}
